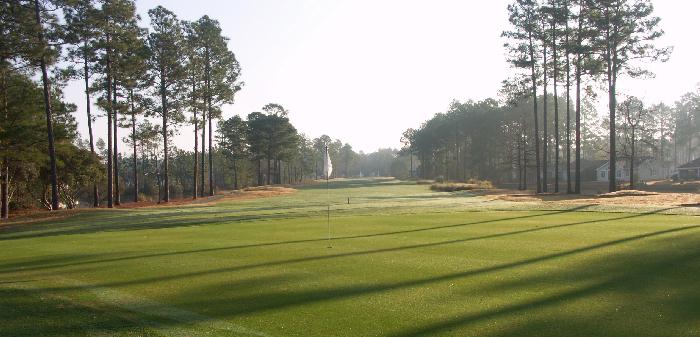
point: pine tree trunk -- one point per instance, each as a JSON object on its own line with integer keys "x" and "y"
{"x": 533, "y": 75}
{"x": 204, "y": 142}
{"x": 568, "y": 106}
{"x": 235, "y": 175}
{"x": 110, "y": 170}
{"x": 117, "y": 191}
{"x": 4, "y": 190}
{"x": 48, "y": 110}
{"x": 4, "y": 169}
{"x": 164, "y": 106}
{"x": 86, "y": 75}
{"x": 519, "y": 164}
{"x": 632, "y": 161}
{"x": 556, "y": 110}
{"x": 524, "y": 166}
{"x": 610, "y": 58}
{"x": 613, "y": 134}
{"x": 196, "y": 145}
{"x": 211, "y": 154}
{"x": 133, "y": 141}
{"x": 211, "y": 130}
{"x": 545, "y": 145}
{"x": 268, "y": 171}
{"x": 577, "y": 185}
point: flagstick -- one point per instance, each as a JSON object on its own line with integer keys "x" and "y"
{"x": 327, "y": 168}
{"x": 328, "y": 199}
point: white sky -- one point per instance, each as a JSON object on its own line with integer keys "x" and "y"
{"x": 363, "y": 71}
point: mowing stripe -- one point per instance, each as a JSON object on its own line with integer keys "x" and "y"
{"x": 150, "y": 307}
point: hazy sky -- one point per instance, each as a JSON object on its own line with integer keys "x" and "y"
{"x": 363, "y": 71}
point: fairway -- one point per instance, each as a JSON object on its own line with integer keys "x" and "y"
{"x": 404, "y": 261}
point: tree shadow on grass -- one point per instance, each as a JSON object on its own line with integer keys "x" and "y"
{"x": 279, "y": 300}
{"x": 287, "y": 262}
{"x": 627, "y": 272}
{"x": 92, "y": 223}
{"x": 649, "y": 291}
{"x": 630, "y": 273}
{"x": 112, "y": 221}
{"x": 31, "y": 313}
{"x": 65, "y": 261}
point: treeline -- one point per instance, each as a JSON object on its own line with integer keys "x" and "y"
{"x": 561, "y": 51}
{"x": 176, "y": 71}
{"x": 485, "y": 140}
{"x": 147, "y": 82}
{"x": 262, "y": 149}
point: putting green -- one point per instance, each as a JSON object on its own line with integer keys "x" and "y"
{"x": 404, "y": 262}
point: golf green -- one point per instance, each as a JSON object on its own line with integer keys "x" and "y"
{"x": 403, "y": 261}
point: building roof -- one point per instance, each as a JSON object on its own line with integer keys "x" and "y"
{"x": 690, "y": 165}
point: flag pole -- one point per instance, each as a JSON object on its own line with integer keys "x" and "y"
{"x": 328, "y": 201}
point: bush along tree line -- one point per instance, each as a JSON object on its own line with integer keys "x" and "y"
{"x": 564, "y": 54}
{"x": 146, "y": 82}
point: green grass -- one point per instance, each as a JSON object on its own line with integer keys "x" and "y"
{"x": 404, "y": 261}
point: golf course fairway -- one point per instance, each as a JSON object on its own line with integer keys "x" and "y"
{"x": 402, "y": 261}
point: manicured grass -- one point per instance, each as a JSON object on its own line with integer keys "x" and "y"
{"x": 404, "y": 261}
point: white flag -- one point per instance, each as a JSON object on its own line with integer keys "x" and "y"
{"x": 327, "y": 165}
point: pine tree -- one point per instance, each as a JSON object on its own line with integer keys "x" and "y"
{"x": 523, "y": 17}
{"x": 626, "y": 31}
{"x": 166, "y": 70}
{"x": 233, "y": 141}
{"x": 81, "y": 19}
{"x": 126, "y": 68}
{"x": 221, "y": 74}
{"x": 132, "y": 72}
{"x": 117, "y": 30}
{"x": 195, "y": 74}
{"x": 16, "y": 27}
{"x": 45, "y": 21}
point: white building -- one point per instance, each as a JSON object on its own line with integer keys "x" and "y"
{"x": 645, "y": 169}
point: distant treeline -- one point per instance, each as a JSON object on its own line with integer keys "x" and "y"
{"x": 147, "y": 82}
{"x": 563, "y": 53}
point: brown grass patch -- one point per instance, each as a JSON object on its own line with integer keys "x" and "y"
{"x": 245, "y": 194}
{"x": 454, "y": 187}
{"x": 626, "y": 193}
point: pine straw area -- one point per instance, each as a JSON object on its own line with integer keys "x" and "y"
{"x": 625, "y": 197}
{"x": 40, "y": 215}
